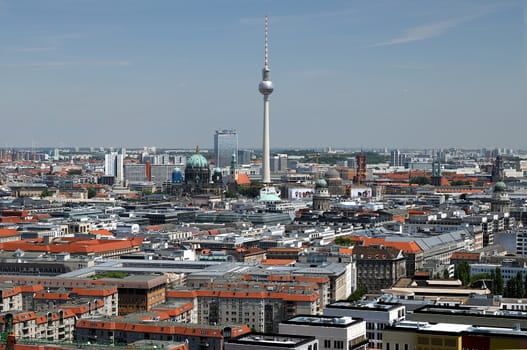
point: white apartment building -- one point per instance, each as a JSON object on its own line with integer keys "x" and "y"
{"x": 376, "y": 315}
{"x": 332, "y": 332}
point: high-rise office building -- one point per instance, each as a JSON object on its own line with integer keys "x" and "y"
{"x": 113, "y": 166}
{"x": 225, "y": 145}
{"x": 396, "y": 158}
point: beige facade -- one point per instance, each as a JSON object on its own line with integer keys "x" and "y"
{"x": 51, "y": 326}
{"x": 11, "y": 298}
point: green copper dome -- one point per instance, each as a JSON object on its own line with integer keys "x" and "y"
{"x": 321, "y": 183}
{"x": 500, "y": 187}
{"x": 197, "y": 161}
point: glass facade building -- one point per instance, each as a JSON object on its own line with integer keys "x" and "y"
{"x": 225, "y": 145}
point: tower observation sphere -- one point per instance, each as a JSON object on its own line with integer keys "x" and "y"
{"x": 266, "y": 87}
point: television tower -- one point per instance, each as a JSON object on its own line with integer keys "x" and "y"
{"x": 266, "y": 88}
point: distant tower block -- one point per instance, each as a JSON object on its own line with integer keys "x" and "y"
{"x": 266, "y": 88}
{"x": 436, "y": 177}
{"x": 497, "y": 170}
{"x": 360, "y": 175}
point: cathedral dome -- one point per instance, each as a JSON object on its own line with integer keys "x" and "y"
{"x": 500, "y": 187}
{"x": 321, "y": 183}
{"x": 332, "y": 174}
{"x": 197, "y": 161}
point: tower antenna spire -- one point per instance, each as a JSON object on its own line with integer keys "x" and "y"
{"x": 266, "y": 60}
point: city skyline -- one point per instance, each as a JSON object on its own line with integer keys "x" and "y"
{"x": 377, "y": 74}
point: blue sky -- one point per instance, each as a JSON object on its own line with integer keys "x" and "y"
{"x": 346, "y": 73}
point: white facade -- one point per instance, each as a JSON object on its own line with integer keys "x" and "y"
{"x": 272, "y": 342}
{"x": 376, "y": 316}
{"x": 521, "y": 242}
{"x": 331, "y": 332}
{"x": 114, "y": 166}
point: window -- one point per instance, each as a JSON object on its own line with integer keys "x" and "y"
{"x": 437, "y": 341}
{"x": 327, "y": 343}
{"x": 338, "y": 344}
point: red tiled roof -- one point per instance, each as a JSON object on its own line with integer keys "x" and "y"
{"x": 465, "y": 256}
{"x": 243, "y": 179}
{"x": 407, "y": 247}
{"x": 283, "y": 262}
{"x": 72, "y": 245}
{"x": 8, "y": 232}
{"x": 101, "y": 232}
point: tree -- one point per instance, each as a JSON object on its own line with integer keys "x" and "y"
{"x": 510, "y": 288}
{"x": 498, "y": 282}
{"x": 479, "y": 276}
{"x": 420, "y": 180}
{"x": 520, "y": 290}
{"x": 462, "y": 273}
{"x": 358, "y": 293}
{"x": 459, "y": 183}
{"x": 45, "y": 193}
{"x": 91, "y": 192}
{"x": 231, "y": 194}
{"x": 344, "y": 241}
{"x": 446, "y": 275}
{"x": 252, "y": 191}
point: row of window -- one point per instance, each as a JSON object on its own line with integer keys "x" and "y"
{"x": 337, "y": 344}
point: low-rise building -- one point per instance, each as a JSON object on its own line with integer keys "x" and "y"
{"x": 260, "y": 305}
{"x": 376, "y": 315}
{"x": 332, "y": 332}
{"x": 378, "y": 267}
{"x": 424, "y": 335}
{"x": 155, "y": 326}
{"x": 465, "y": 314}
{"x": 11, "y": 297}
{"x": 51, "y": 326}
{"x": 267, "y": 341}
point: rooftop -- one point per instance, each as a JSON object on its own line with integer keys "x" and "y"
{"x": 323, "y": 321}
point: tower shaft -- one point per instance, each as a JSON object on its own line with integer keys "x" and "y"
{"x": 266, "y": 168}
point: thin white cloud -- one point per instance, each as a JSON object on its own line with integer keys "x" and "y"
{"x": 423, "y": 32}
{"x": 412, "y": 66}
{"x": 34, "y": 49}
{"x": 66, "y": 64}
{"x": 45, "y": 44}
{"x": 433, "y": 29}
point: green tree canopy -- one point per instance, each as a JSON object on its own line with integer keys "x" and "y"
{"x": 92, "y": 192}
{"x": 420, "y": 180}
{"x": 462, "y": 272}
